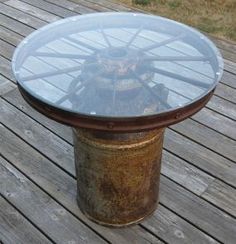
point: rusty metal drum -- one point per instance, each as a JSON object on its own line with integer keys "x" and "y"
{"x": 118, "y": 175}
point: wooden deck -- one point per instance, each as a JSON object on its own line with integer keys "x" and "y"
{"x": 37, "y": 176}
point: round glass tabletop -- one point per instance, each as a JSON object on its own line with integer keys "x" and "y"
{"x": 117, "y": 65}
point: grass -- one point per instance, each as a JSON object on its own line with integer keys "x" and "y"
{"x": 216, "y": 17}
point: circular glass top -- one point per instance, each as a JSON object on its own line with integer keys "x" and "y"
{"x": 117, "y": 65}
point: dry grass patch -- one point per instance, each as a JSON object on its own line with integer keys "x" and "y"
{"x": 217, "y": 17}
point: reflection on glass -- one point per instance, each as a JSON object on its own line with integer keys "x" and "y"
{"x": 117, "y": 65}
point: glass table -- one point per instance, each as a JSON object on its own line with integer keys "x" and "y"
{"x": 119, "y": 79}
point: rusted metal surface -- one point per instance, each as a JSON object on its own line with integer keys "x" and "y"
{"x": 128, "y": 124}
{"x": 118, "y": 174}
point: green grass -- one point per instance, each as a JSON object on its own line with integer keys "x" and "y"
{"x": 216, "y": 17}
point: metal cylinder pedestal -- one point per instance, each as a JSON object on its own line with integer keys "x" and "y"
{"x": 118, "y": 174}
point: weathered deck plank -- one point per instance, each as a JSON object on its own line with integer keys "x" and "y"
{"x": 10, "y": 36}
{"x": 223, "y": 44}
{"x": 198, "y": 211}
{"x": 215, "y": 121}
{"x": 63, "y": 187}
{"x": 185, "y": 174}
{"x": 39, "y": 133}
{"x": 6, "y": 49}
{"x": 229, "y": 79}
{"x": 230, "y": 66}
{"x": 223, "y": 107}
{"x": 35, "y": 134}
{"x": 60, "y": 225}
{"x": 14, "y": 228}
{"x": 95, "y": 5}
{"x": 29, "y": 139}
{"x": 221, "y": 195}
{"x": 14, "y": 97}
{"x": 112, "y": 5}
{"x": 226, "y": 92}
{"x": 175, "y": 229}
{"x": 207, "y": 137}
{"x": 51, "y": 8}
{"x": 5, "y": 68}
{"x": 31, "y": 10}
{"x": 80, "y": 9}
{"x": 198, "y": 174}
{"x": 203, "y": 158}
{"x": 20, "y": 16}
{"x": 14, "y": 25}
{"x": 5, "y": 85}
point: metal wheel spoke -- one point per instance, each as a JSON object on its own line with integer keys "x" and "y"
{"x": 51, "y": 73}
{"x": 74, "y": 83}
{"x": 105, "y": 37}
{"x": 68, "y": 95}
{"x": 156, "y": 45}
{"x": 72, "y": 39}
{"x": 83, "y": 83}
{"x": 180, "y": 77}
{"x": 149, "y": 89}
{"x": 61, "y": 55}
{"x": 134, "y": 36}
{"x": 177, "y": 58}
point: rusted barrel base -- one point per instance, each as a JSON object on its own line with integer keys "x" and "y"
{"x": 134, "y": 222}
{"x": 117, "y": 175}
